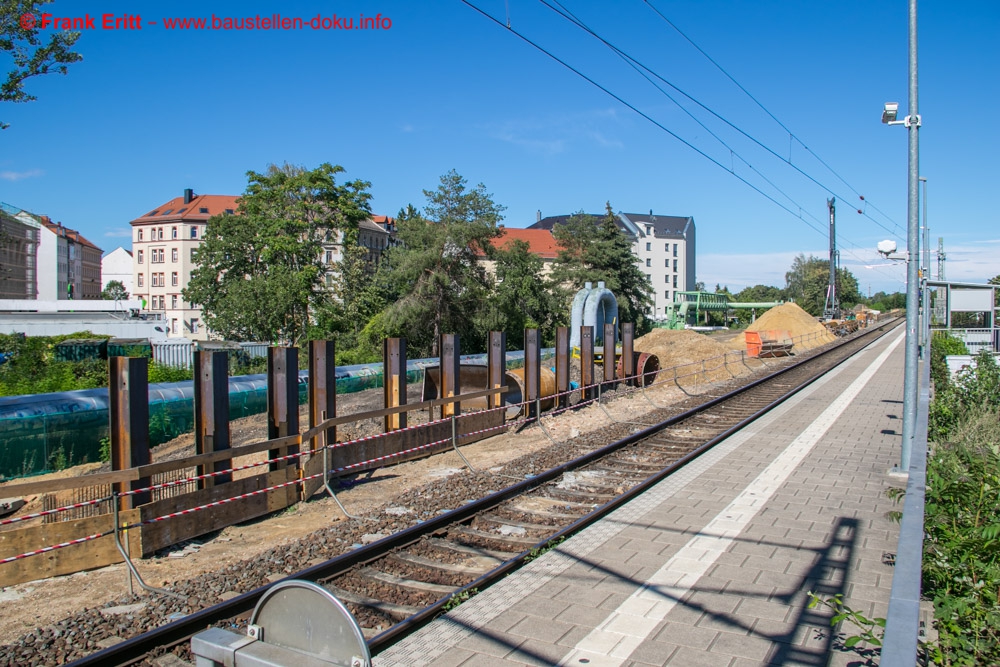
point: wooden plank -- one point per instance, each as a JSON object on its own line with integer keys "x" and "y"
{"x": 162, "y": 534}
{"x": 76, "y": 558}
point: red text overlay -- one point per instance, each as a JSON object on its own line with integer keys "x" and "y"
{"x": 48, "y": 21}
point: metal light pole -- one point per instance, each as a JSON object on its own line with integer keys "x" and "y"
{"x": 912, "y": 123}
{"x": 910, "y": 382}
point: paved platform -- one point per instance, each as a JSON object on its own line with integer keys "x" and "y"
{"x": 713, "y": 565}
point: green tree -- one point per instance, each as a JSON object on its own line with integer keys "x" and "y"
{"x": 883, "y": 302}
{"x": 807, "y": 280}
{"x": 755, "y": 294}
{"x": 522, "y": 298}
{"x": 436, "y": 273}
{"x": 995, "y": 280}
{"x": 31, "y": 55}
{"x": 114, "y": 291}
{"x": 258, "y": 273}
{"x": 593, "y": 250}
{"x": 359, "y": 293}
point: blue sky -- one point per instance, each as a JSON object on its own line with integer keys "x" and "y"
{"x": 153, "y": 111}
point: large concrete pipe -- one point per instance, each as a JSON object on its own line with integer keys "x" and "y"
{"x": 515, "y": 390}
{"x": 647, "y": 365}
{"x": 601, "y": 308}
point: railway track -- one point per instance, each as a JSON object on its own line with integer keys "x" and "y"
{"x": 399, "y": 582}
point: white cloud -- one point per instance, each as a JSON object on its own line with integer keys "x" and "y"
{"x": 20, "y": 175}
{"x": 119, "y": 233}
{"x": 557, "y": 133}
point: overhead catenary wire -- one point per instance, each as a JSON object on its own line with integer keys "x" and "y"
{"x": 791, "y": 135}
{"x": 797, "y": 214}
{"x": 645, "y": 72}
{"x": 647, "y": 117}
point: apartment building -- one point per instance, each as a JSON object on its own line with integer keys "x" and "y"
{"x": 19, "y": 233}
{"x": 77, "y": 264}
{"x": 165, "y": 239}
{"x": 163, "y": 245}
{"x": 664, "y": 248}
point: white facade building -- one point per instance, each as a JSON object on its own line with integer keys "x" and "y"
{"x": 664, "y": 247}
{"x": 117, "y": 265}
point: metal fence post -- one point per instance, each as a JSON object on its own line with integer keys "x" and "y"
{"x": 450, "y": 373}
{"x": 587, "y": 379}
{"x": 282, "y": 400}
{"x": 211, "y": 413}
{"x": 394, "y": 380}
{"x": 562, "y": 367}
{"x": 128, "y": 411}
{"x": 532, "y": 371}
{"x": 628, "y": 353}
{"x": 497, "y": 366}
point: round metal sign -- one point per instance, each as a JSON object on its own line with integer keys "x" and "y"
{"x": 304, "y": 616}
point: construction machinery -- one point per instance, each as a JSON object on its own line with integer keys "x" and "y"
{"x": 683, "y": 313}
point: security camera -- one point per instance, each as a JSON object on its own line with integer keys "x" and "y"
{"x": 886, "y": 248}
{"x": 889, "y": 112}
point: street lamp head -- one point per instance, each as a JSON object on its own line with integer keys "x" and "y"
{"x": 886, "y": 248}
{"x": 889, "y": 112}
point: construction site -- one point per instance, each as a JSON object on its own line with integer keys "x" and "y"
{"x": 218, "y": 499}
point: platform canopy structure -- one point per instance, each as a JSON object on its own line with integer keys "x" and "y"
{"x": 966, "y": 311}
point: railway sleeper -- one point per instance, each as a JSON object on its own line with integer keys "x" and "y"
{"x": 538, "y": 527}
{"x": 475, "y": 566}
{"x": 580, "y": 495}
{"x": 477, "y": 552}
{"x": 402, "y": 582}
{"x": 481, "y": 536}
{"x": 397, "y": 611}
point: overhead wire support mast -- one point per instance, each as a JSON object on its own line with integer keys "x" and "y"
{"x": 831, "y": 309}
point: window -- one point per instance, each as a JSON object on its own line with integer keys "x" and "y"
{"x": 173, "y": 300}
{"x": 173, "y": 325}
{"x": 194, "y": 325}
{"x": 173, "y": 232}
{"x": 229, "y": 211}
{"x": 666, "y": 279}
{"x": 173, "y": 279}
{"x": 675, "y": 265}
{"x": 675, "y": 250}
{"x": 203, "y": 209}
{"x": 666, "y": 295}
{"x": 194, "y": 232}
{"x": 666, "y": 247}
{"x": 167, "y": 212}
{"x": 138, "y": 256}
{"x": 192, "y": 254}
{"x": 173, "y": 255}
{"x": 139, "y": 280}
{"x": 666, "y": 263}
{"x": 140, "y": 235}
{"x": 329, "y": 257}
{"x": 649, "y": 230}
{"x": 649, "y": 262}
{"x": 156, "y": 255}
{"x": 675, "y": 280}
{"x": 649, "y": 278}
{"x": 649, "y": 246}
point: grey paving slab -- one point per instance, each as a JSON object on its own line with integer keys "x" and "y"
{"x": 712, "y": 566}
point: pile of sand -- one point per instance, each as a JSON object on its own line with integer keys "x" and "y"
{"x": 681, "y": 348}
{"x": 804, "y": 329}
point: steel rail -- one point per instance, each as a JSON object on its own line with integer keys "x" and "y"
{"x": 132, "y": 651}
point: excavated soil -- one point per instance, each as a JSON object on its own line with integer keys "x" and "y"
{"x": 686, "y": 350}
{"x": 804, "y": 329}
